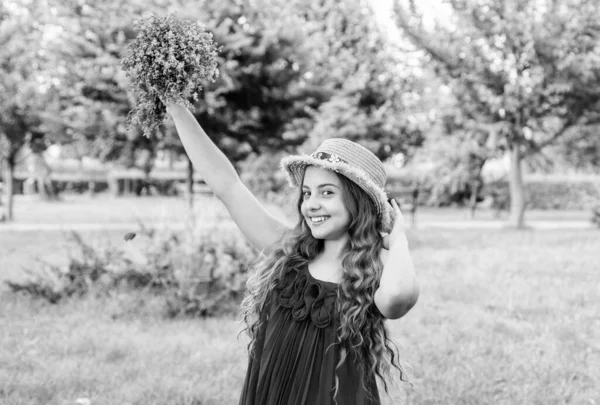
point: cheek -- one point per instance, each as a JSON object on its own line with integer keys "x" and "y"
{"x": 346, "y": 213}
{"x": 303, "y": 209}
{"x": 341, "y": 207}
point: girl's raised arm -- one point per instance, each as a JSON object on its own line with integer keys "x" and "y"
{"x": 258, "y": 225}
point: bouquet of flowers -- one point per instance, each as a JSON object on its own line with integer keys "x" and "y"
{"x": 167, "y": 62}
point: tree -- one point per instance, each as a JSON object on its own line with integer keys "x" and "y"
{"x": 527, "y": 71}
{"x": 247, "y": 109}
{"x": 260, "y": 95}
{"x": 251, "y": 108}
{"x": 95, "y": 94}
{"x": 372, "y": 95}
{"x": 25, "y": 85}
{"x": 581, "y": 152}
{"x": 449, "y": 165}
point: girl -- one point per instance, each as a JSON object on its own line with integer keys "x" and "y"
{"x": 319, "y": 293}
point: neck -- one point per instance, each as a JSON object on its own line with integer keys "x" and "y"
{"x": 334, "y": 248}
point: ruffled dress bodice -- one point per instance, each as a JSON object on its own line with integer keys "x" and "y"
{"x": 296, "y": 353}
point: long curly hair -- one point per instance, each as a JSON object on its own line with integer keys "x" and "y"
{"x": 363, "y": 333}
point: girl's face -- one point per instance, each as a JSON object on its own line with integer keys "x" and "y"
{"x": 323, "y": 205}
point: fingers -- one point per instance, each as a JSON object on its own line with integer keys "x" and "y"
{"x": 398, "y": 217}
{"x": 395, "y": 206}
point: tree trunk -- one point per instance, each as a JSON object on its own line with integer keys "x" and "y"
{"x": 517, "y": 189}
{"x": 476, "y": 185}
{"x": 415, "y": 205}
{"x": 190, "y": 184}
{"x": 8, "y": 167}
{"x": 472, "y": 203}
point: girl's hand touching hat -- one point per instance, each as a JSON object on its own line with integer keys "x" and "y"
{"x": 397, "y": 228}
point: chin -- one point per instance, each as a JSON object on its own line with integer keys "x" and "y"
{"x": 316, "y": 235}
{"x": 326, "y": 235}
{"x": 319, "y": 235}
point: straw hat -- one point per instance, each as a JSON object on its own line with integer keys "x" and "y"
{"x": 352, "y": 160}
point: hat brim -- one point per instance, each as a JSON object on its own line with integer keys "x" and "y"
{"x": 295, "y": 165}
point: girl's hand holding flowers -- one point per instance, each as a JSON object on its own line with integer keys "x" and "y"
{"x": 168, "y": 62}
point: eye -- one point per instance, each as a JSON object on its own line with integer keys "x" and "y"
{"x": 327, "y": 192}
{"x": 305, "y": 194}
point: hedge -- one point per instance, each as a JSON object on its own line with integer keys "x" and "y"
{"x": 542, "y": 192}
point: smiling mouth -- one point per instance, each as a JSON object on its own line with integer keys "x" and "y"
{"x": 319, "y": 220}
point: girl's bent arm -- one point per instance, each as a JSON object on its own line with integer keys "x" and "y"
{"x": 399, "y": 287}
{"x": 258, "y": 225}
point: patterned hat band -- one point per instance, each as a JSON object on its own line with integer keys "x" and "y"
{"x": 330, "y": 157}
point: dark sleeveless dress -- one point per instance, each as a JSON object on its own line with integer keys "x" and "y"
{"x": 295, "y": 355}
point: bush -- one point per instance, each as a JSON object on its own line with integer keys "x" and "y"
{"x": 554, "y": 192}
{"x": 194, "y": 273}
{"x": 548, "y": 194}
{"x": 498, "y": 193}
{"x": 85, "y": 271}
{"x": 566, "y": 195}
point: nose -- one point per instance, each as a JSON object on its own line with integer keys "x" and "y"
{"x": 312, "y": 204}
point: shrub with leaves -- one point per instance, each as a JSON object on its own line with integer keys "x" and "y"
{"x": 169, "y": 60}
{"x": 88, "y": 269}
{"x": 194, "y": 273}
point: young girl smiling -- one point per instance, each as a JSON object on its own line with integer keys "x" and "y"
{"x": 321, "y": 290}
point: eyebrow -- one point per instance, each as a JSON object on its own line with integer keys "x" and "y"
{"x": 322, "y": 185}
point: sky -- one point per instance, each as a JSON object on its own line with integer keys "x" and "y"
{"x": 383, "y": 10}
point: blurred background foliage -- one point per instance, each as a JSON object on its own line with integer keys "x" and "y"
{"x": 462, "y": 102}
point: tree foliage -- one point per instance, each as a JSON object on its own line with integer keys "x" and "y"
{"x": 248, "y": 109}
{"x": 370, "y": 84}
{"x": 528, "y": 71}
{"x": 255, "y": 104}
{"x": 26, "y": 54}
{"x": 27, "y": 85}
{"x": 95, "y": 94}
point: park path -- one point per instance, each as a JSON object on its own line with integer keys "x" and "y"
{"x": 422, "y": 224}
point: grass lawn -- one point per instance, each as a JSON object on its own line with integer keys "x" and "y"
{"x": 504, "y": 317}
{"x": 103, "y": 208}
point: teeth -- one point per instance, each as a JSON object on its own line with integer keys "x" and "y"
{"x": 318, "y": 219}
